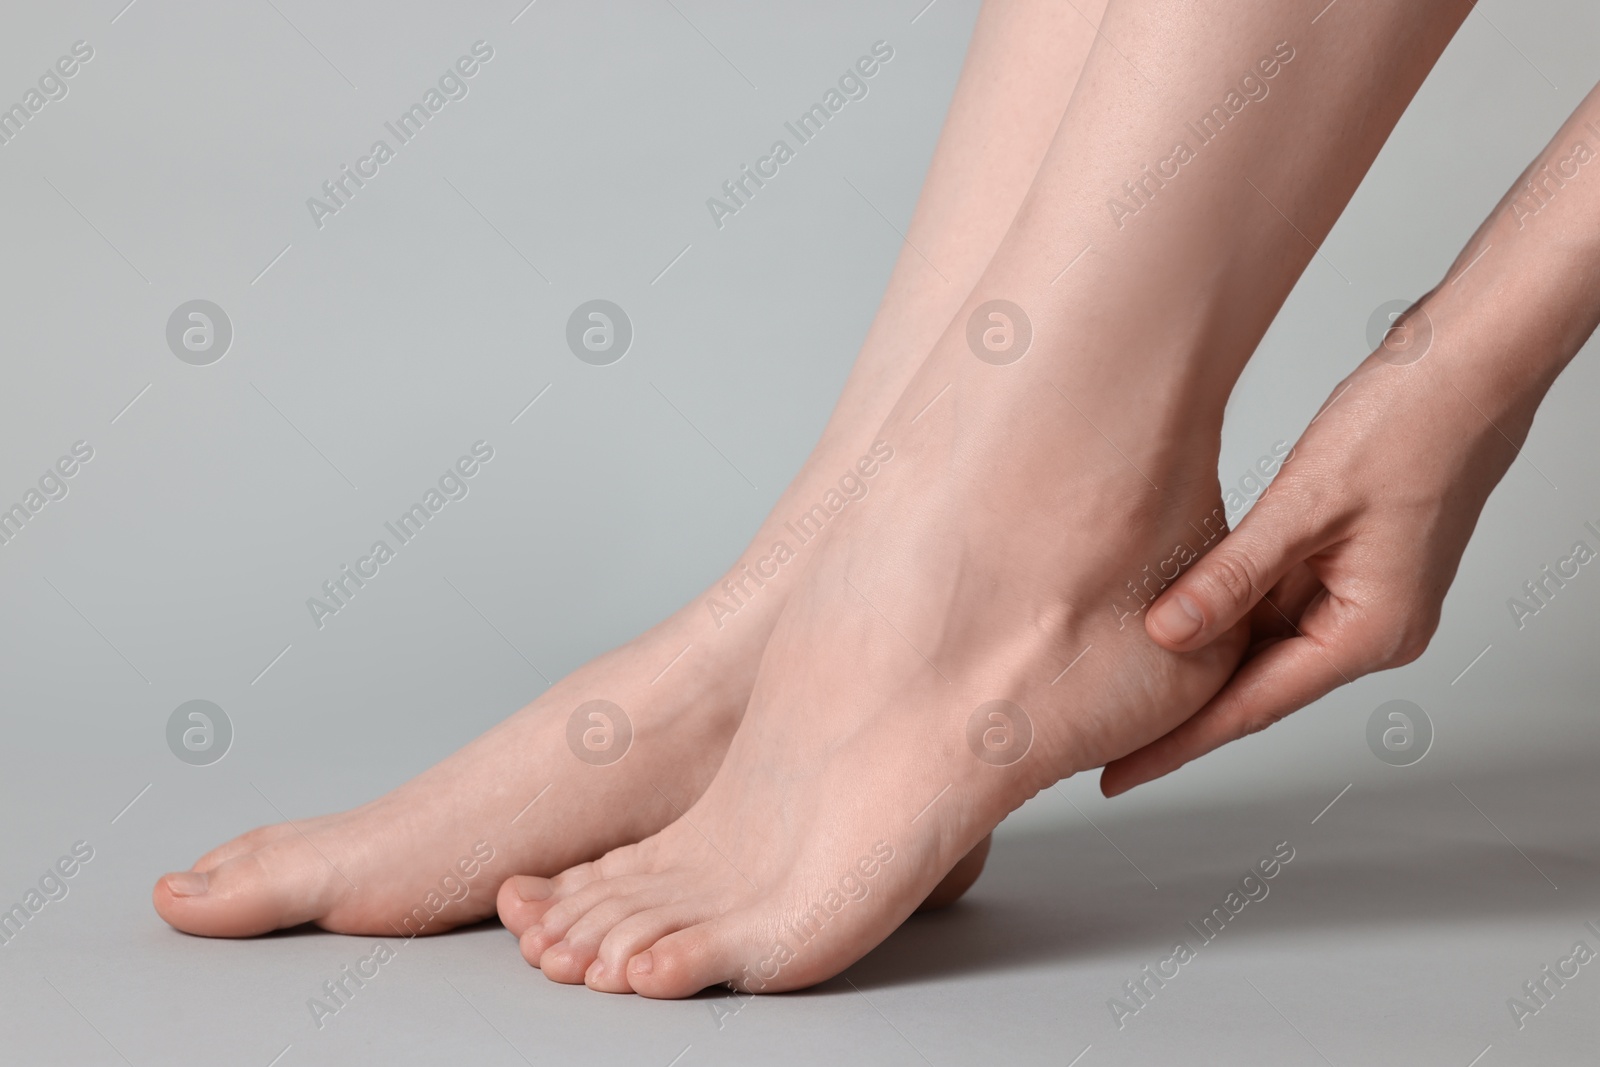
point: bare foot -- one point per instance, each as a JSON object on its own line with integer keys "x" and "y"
{"x": 913, "y": 694}
{"x": 431, "y": 854}
{"x": 415, "y": 858}
{"x": 534, "y": 794}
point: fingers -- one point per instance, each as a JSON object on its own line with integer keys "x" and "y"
{"x": 1223, "y": 585}
{"x": 1274, "y": 616}
{"x": 1279, "y": 680}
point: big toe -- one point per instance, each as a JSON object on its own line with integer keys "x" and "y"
{"x": 247, "y": 895}
{"x": 522, "y": 901}
{"x": 683, "y": 963}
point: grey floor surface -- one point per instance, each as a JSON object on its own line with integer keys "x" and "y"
{"x": 1413, "y": 910}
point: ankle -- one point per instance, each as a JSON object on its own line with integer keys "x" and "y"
{"x": 1159, "y": 359}
{"x": 1055, "y": 437}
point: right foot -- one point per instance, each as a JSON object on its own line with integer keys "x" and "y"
{"x": 1010, "y": 540}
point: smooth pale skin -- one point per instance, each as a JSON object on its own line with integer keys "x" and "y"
{"x": 990, "y": 555}
{"x": 365, "y": 871}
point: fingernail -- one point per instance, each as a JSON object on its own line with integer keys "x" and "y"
{"x": 530, "y": 888}
{"x": 643, "y": 963}
{"x": 1178, "y": 617}
{"x": 188, "y": 883}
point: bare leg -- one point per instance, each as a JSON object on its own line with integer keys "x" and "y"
{"x": 1021, "y": 510}
{"x": 370, "y": 870}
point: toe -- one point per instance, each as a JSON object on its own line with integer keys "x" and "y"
{"x": 255, "y": 840}
{"x": 559, "y": 918}
{"x": 522, "y": 901}
{"x": 573, "y": 879}
{"x": 569, "y": 959}
{"x": 251, "y": 894}
{"x": 633, "y": 935}
{"x": 683, "y": 963}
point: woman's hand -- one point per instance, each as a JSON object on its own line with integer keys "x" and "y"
{"x": 1343, "y": 564}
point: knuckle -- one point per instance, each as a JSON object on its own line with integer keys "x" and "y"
{"x": 1258, "y": 723}
{"x": 1408, "y": 650}
{"x": 1407, "y": 644}
{"x": 617, "y": 862}
{"x": 1261, "y": 718}
{"x": 573, "y": 877}
{"x": 1231, "y": 576}
{"x": 1250, "y": 717}
{"x": 261, "y": 835}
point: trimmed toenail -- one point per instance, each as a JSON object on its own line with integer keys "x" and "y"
{"x": 592, "y": 975}
{"x": 643, "y": 963}
{"x": 530, "y": 888}
{"x": 1178, "y": 617}
{"x": 188, "y": 883}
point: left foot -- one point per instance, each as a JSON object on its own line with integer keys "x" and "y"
{"x": 868, "y": 763}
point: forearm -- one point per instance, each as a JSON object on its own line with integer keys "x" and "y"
{"x": 1524, "y": 295}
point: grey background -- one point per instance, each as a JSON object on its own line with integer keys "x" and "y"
{"x": 430, "y": 312}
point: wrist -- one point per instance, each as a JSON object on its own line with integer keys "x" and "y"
{"x": 1500, "y": 348}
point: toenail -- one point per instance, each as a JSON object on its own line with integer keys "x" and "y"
{"x": 1178, "y": 617}
{"x": 592, "y": 975}
{"x": 643, "y": 963}
{"x": 188, "y": 883}
{"x": 532, "y": 889}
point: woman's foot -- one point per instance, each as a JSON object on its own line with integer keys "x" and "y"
{"x": 371, "y": 870}
{"x": 560, "y": 782}
{"x": 922, "y": 683}
{"x": 550, "y": 786}
{"x": 523, "y": 898}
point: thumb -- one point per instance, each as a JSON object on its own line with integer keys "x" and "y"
{"x": 1224, "y": 584}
